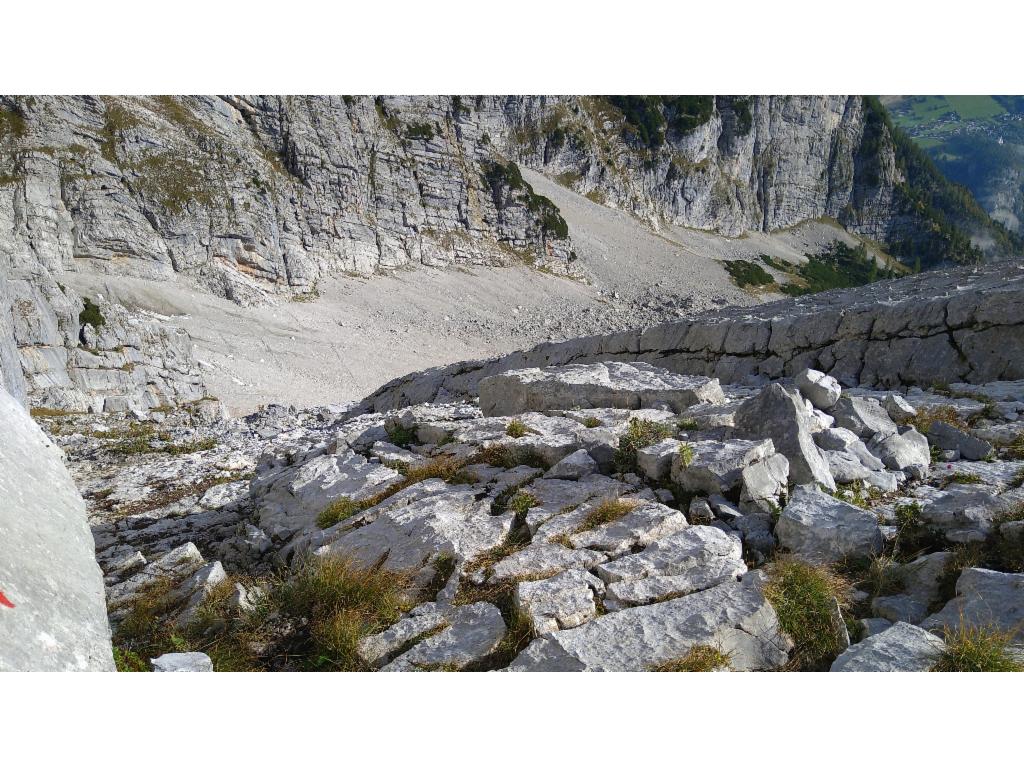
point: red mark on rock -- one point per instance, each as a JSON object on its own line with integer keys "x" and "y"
{"x": 5, "y": 602}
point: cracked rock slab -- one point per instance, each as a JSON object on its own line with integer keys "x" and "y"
{"x": 473, "y": 632}
{"x": 734, "y": 617}
{"x": 563, "y": 601}
{"x": 713, "y": 466}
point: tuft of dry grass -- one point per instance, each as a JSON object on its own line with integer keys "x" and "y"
{"x": 977, "y": 649}
{"x": 700, "y": 658}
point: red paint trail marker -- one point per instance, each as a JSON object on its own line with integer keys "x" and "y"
{"x": 5, "y": 602}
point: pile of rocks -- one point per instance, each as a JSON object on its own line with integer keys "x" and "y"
{"x": 628, "y": 514}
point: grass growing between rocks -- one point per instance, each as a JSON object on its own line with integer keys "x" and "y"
{"x": 925, "y": 417}
{"x": 700, "y": 658}
{"x": 804, "y": 597}
{"x": 517, "y": 429}
{"x": 340, "y": 509}
{"x": 607, "y": 511}
{"x": 977, "y": 649}
{"x": 508, "y": 456}
{"x": 313, "y": 620}
{"x": 640, "y": 433}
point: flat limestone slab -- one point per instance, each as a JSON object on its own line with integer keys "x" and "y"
{"x": 599, "y": 385}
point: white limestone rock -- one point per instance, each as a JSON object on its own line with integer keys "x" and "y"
{"x": 182, "y": 662}
{"x": 710, "y": 466}
{"x": 764, "y": 483}
{"x": 900, "y": 648}
{"x": 646, "y": 522}
{"x": 734, "y": 617}
{"x": 563, "y": 601}
{"x": 655, "y": 461}
{"x": 863, "y": 416}
{"x": 777, "y": 415}
{"x": 472, "y": 633}
{"x": 823, "y": 529}
{"x": 693, "y": 559}
{"x": 984, "y": 598}
{"x": 573, "y": 467}
{"x": 821, "y": 389}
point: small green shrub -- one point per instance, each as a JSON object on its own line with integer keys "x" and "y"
{"x": 91, "y": 315}
{"x": 747, "y": 274}
{"x": 686, "y": 454}
{"x": 420, "y": 131}
{"x": 591, "y": 422}
{"x": 977, "y": 649}
{"x": 129, "y": 661}
{"x": 640, "y": 433}
{"x": 517, "y": 429}
{"x": 700, "y": 658}
{"x": 401, "y": 436}
{"x": 521, "y": 503}
{"x": 802, "y": 595}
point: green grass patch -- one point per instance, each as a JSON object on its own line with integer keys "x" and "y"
{"x": 977, "y": 649}
{"x": 803, "y": 595}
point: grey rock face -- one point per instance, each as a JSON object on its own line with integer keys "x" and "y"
{"x": 734, "y": 617}
{"x": 823, "y": 529}
{"x": 601, "y": 385}
{"x": 777, "y": 415}
{"x": 900, "y": 648}
{"x": 950, "y": 438}
{"x": 53, "y": 617}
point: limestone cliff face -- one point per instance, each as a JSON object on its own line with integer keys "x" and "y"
{"x": 251, "y": 196}
{"x": 733, "y": 164}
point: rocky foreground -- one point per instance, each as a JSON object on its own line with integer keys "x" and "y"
{"x": 601, "y": 516}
